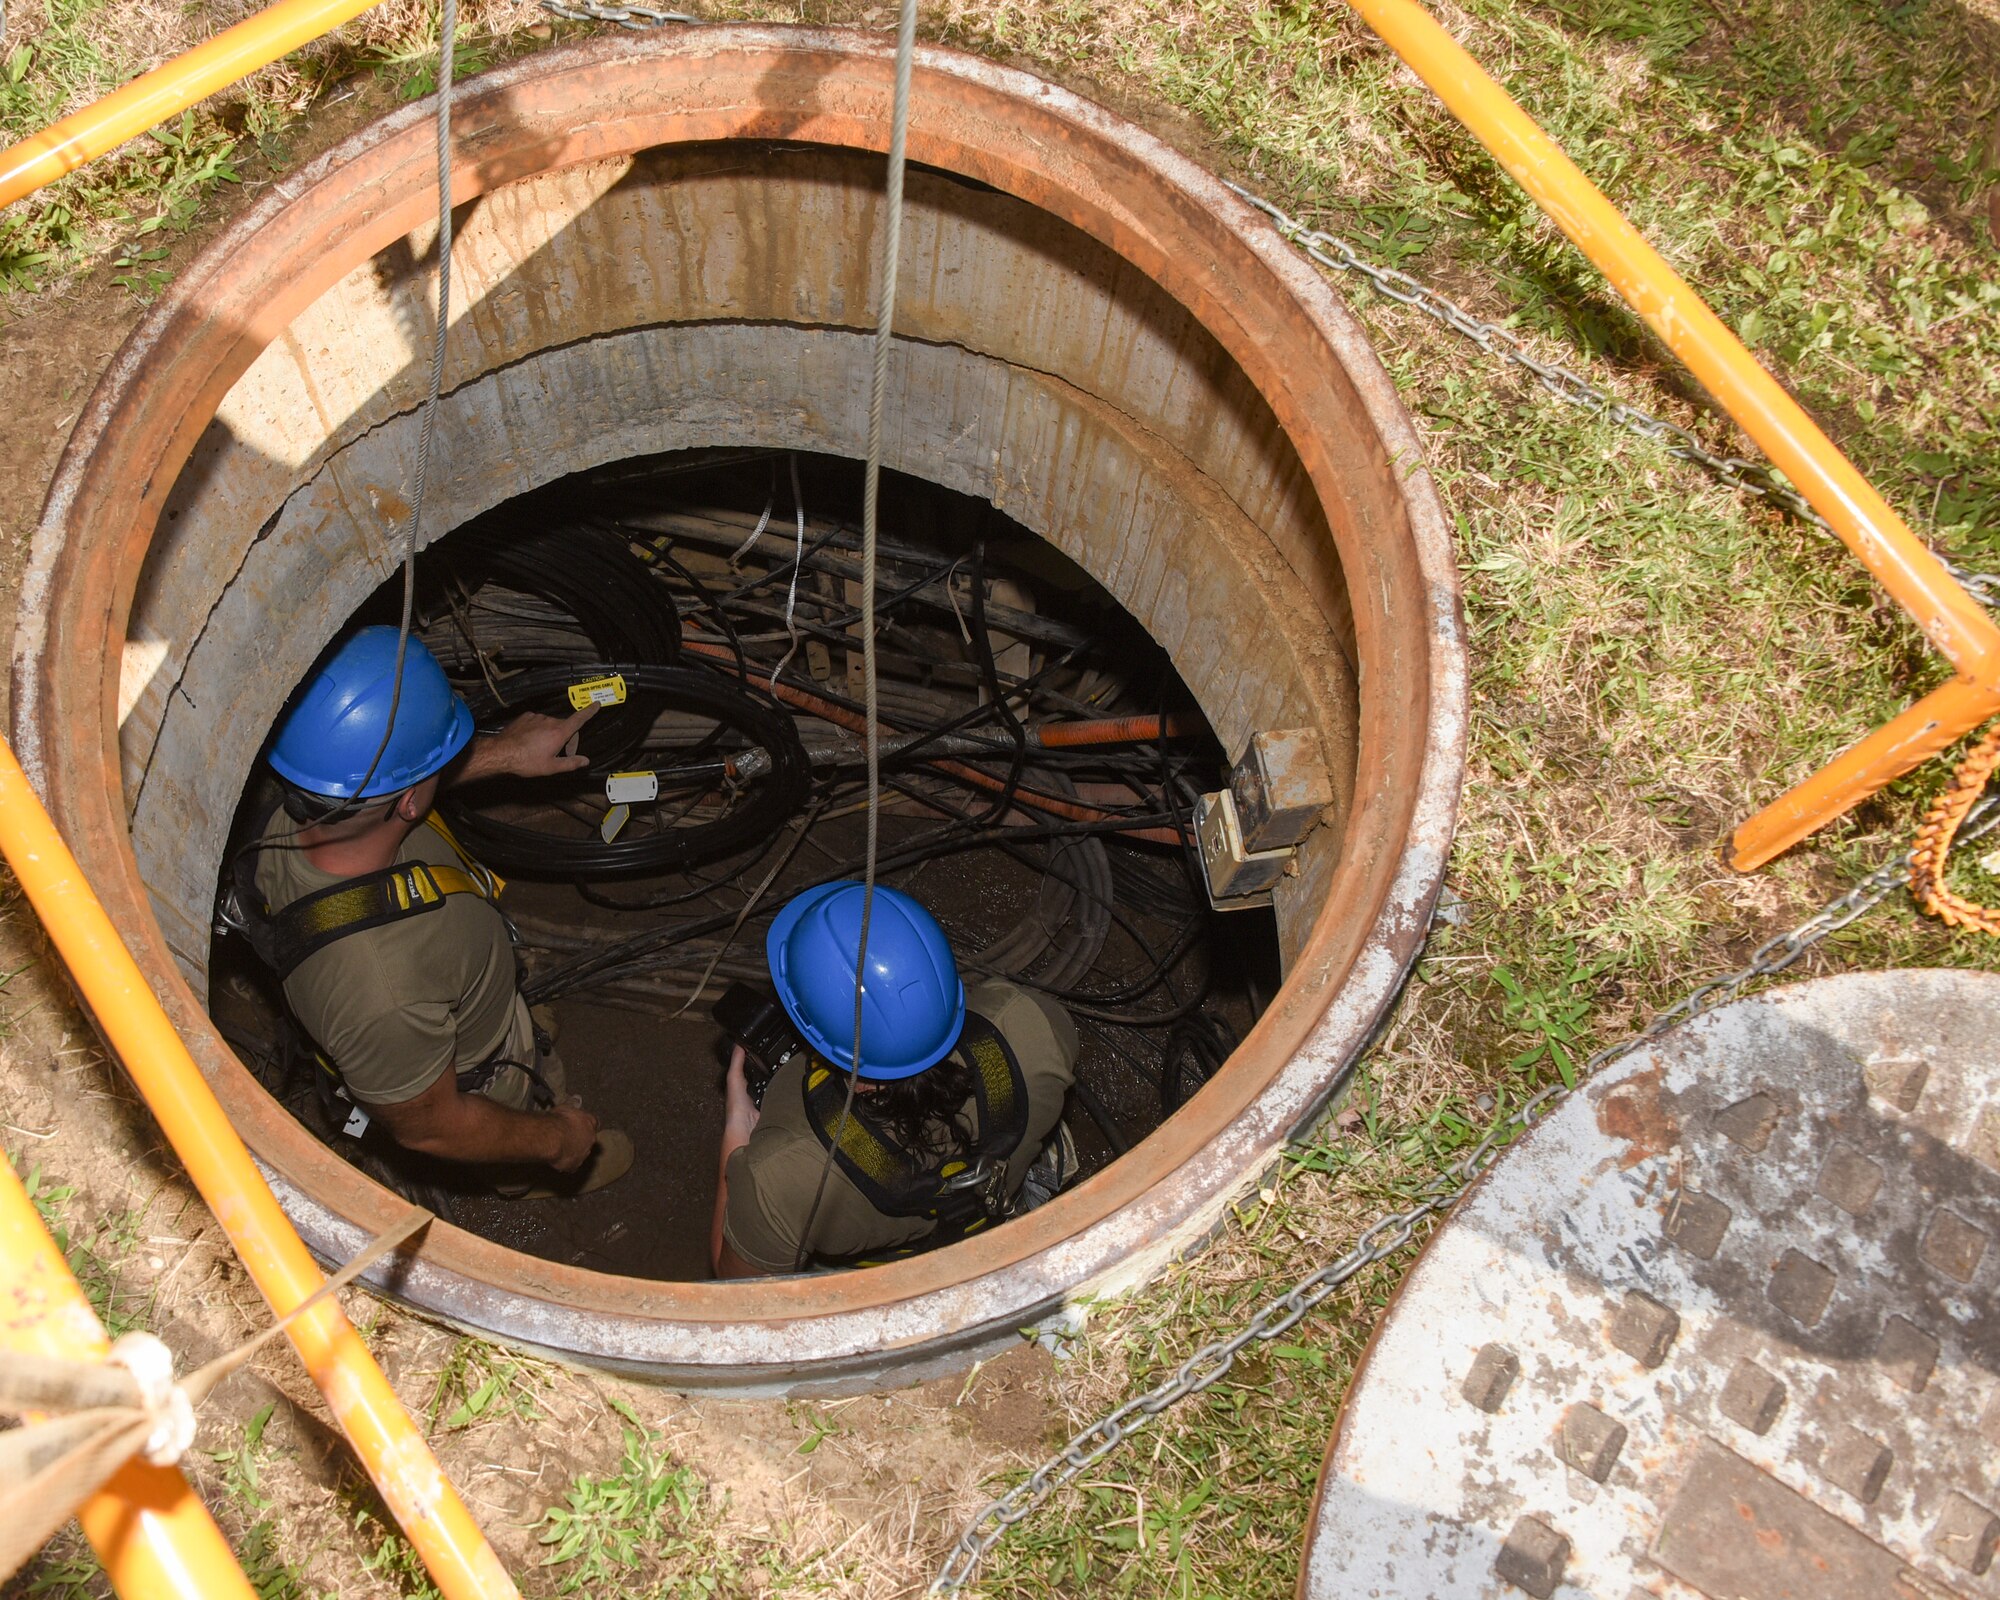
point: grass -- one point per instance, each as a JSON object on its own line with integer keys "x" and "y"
{"x": 480, "y": 1382}
{"x": 94, "y": 1249}
{"x": 155, "y": 185}
{"x": 644, "y": 1529}
{"x": 258, "y": 1543}
{"x": 123, "y": 210}
{"x": 1652, "y": 655}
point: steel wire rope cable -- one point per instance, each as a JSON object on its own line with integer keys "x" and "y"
{"x": 426, "y": 430}
{"x": 871, "y": 505}
{"x": 427, "y": 424}
{"x": 1388, "y": 1234}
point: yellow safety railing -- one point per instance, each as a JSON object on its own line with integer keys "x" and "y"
{"x": 152, "y": 1534}
{"x": 1950, "y": 618}
{"x": 389, "y": 1444}
{"x": 168, "y": 90}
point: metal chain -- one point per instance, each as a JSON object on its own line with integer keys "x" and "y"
{"x": 1337, "y": 255}
{"x": 1750, "y": 477}
{"x": 1208, "y": 1365}
{"x": 637, "y": 18}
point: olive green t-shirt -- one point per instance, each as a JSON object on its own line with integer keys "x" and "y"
{"x": 396, "y": 1006}
{"x": 773, "y": 1178}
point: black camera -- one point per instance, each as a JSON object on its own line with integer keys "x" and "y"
{"x": 759, "y": 1024}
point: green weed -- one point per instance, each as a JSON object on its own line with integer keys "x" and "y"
{"x": 94, "y": 1251}
{"x": 640, "y": 1530}
{"x": 257, "y": 1547}
{"x": 411, "y": 62}
{"x": 480, "y": 1381}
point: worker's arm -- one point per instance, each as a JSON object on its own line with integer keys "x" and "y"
{"x": 738, "y": 1123}
{"x": 469, "y": 1127}
{"x": 531, "y": 746}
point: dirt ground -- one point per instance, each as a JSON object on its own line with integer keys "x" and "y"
{"x": 849, "y": 1496}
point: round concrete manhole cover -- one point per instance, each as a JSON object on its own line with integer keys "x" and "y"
{"x": 1722, "y": 1325}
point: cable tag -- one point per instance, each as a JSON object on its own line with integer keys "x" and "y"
{"x": 614, "y": 823}
{"x": 356, "y": 1124}
{"x": 626, "y": 788}
{"x": 598, "y": 692}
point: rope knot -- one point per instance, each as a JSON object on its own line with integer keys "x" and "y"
{"x": 165, "y": 1403}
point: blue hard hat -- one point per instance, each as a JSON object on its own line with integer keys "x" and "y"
{"x": 913, "y": 1005}
{"x": 331, "y": 734}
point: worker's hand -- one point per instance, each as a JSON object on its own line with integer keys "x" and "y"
{"x": 578, "y": 1133}
{"x": 740, "y": 1118}
{"x": 531, "y": 746}
{"x": 539, "y": 747}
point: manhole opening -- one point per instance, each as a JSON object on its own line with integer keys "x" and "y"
{"x": 667, "y": 244}
{"x": 1068, "y": 873}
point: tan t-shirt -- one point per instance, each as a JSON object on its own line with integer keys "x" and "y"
{"x": 773, "y": 1178}
{"x": 396, "y": 1006}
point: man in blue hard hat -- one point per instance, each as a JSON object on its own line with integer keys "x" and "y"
{"x": 958, "y": 1095}
{"x": 389, "y": 940}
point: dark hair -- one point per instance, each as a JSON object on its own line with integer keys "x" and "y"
{"x": 925, "y": 1114}
{"x": 302, "y": 805}
{"x": 309, "y": 809}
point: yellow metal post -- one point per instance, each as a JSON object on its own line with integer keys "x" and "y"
{"x": 1950, "y": 618}
{"x": 154, "y": 1538}
{"x": 168, "y": 90}
{"x": 394, "y": 1452}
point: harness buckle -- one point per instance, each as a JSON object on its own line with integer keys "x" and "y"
{"x": 985, "y": 1180}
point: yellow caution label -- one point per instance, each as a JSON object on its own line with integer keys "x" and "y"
{"x": 598, "y": 692}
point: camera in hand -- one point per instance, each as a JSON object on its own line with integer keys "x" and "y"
{"x": 759, "y": 1024}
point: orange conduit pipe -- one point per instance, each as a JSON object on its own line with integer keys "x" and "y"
{"x": 855, "y": 722}
{"x": 1113, "y": 730}
{"x": 166, "y": 91}
{"x": 153, "y": 1536}
{"x": 405, "y": 1472}
{"x": 1951, "y": 619}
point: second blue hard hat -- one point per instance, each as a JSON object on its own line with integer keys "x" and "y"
{"x": 333, "y": 731}
{"x": 912, "y": 1005}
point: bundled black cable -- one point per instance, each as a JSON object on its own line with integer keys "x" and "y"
{"x": 594, "y": 576}
{"x": 1194, "y": 1052}
{"x": 750, "y": 724}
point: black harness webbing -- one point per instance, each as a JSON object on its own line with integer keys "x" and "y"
{"x": 964, "y": 1193}
{"x": 284, "y": 939}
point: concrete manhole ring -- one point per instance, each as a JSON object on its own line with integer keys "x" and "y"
{"x": 1722, "y": 1325}
{"x": 665, "y": 244}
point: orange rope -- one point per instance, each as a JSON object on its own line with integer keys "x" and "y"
{"x": 1947, "y": 813}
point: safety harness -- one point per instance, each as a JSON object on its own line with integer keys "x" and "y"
{"x": 963, "y": 1194}
{"x": 285, "y": 939}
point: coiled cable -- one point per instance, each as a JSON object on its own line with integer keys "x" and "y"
{"x": 764, "y": 800}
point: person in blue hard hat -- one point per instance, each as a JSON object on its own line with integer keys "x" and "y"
{"x": 954, "y": 1119}
{"x": 388, "y": 938}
